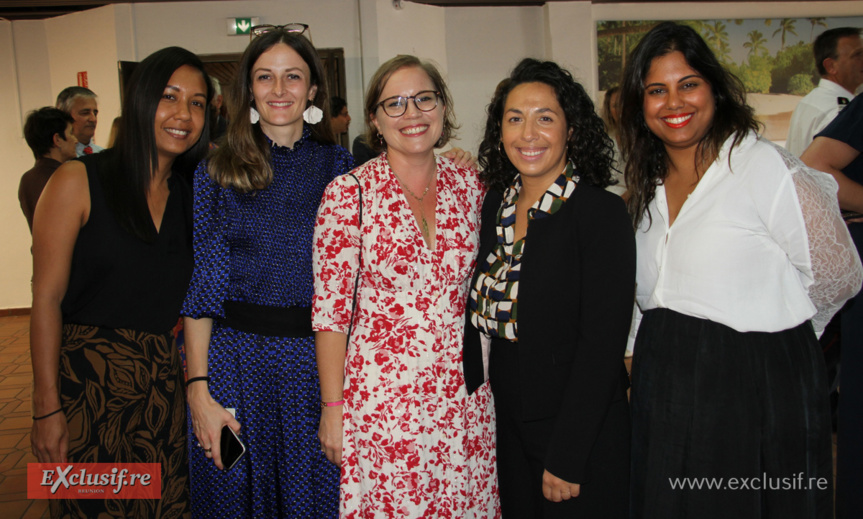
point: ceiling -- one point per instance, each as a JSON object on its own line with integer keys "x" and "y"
{"x": 39, "y": 9}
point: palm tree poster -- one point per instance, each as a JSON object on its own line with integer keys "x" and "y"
{"x": 772, "y": 56}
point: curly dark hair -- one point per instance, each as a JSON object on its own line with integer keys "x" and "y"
{"x": 588, "y": 146}
{"x": 647, "y": 160}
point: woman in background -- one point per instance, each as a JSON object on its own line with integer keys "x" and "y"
{"x": 112, "y": 136}
{"x": 611, "y": 117}
{"x": 397, "y": 417}
{"x": 739, "y": 246}
{"x": 249, "y": 345}
{"x": 553, "y": 293}
{"x": 112, "y": 257}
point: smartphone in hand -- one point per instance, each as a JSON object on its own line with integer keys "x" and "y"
{"x": 231, "y": 447}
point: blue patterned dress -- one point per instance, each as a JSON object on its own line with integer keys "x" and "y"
{"x": 257, "y": 248}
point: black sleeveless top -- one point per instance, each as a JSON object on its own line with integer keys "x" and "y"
{"x": 120, "y": 281}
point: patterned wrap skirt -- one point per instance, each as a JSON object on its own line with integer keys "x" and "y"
{"x": 123, "y": 395}
{"x": 728, "y": 424}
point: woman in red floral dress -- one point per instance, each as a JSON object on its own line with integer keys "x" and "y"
{"x": 396, "y": 415}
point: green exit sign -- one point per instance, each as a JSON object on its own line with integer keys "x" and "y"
{"x": 241, "y": 26}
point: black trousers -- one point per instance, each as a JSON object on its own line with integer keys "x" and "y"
{"x": 523, "y": 445}
{"x": 745, "y": 413}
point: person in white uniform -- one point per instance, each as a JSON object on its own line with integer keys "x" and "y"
{"x": 839, "y": 59}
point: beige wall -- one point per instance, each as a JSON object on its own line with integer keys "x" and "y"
{"x": 474, "y": 46}
{"x": 479, "y": 58}
{"x": 85, "y": 42}
{"x": 15, "y": 265}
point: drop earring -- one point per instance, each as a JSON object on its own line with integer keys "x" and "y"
{"x": 254, "y": 116}
{"x": 313, "y": 115}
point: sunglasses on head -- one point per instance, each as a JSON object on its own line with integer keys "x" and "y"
{"x": 299, "y": 28}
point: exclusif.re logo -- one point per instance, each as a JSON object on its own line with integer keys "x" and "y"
{"x": 94, "y": 480}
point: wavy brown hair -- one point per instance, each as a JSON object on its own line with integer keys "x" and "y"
{"x": 647, "y": 160}
{"x": 379, "y": 81}
{"x": 588, "y": 146}
{"x": 243, "y": 161}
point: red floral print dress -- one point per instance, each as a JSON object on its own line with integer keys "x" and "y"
{"x": 415, "y": 444}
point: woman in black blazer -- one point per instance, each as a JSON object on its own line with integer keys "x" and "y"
{"x": 552, "y": 299}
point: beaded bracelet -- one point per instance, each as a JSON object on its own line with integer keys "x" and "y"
{"x": 325, "y": 405}
{"x": 52, "y": 413}
{"x": 197, "y": 379}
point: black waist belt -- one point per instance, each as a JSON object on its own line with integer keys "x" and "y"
{"x": 274, "y": 321}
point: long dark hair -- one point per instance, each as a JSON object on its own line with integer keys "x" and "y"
{"x": 243, "y": 160}
{"x": 647, "y": 160}
{"x": 588, "y": 146}
{"x": 134, "y": 152}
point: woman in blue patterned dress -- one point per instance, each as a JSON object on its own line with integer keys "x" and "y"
{"x": 249, "y": 344}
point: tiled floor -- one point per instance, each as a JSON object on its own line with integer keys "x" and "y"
{"x": 15, "y": 421}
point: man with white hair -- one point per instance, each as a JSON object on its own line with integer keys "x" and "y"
{"x": 80, "y": 103}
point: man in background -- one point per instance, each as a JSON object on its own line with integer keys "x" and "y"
{"x": 80, "y": 103}
{"x": 48, "y": 132}
{"x": 837, "y": 150}
{"x": 219, "y": 124}
{"x": 839, "y": 59}
{"x": 340, "y": 115}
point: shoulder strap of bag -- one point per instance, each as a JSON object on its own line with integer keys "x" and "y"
{"x": 360, "y": 265}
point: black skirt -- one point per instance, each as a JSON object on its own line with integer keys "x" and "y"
{"x": 744, "y": 413}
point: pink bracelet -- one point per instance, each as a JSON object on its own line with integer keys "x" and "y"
{"x": 324, "y": 405}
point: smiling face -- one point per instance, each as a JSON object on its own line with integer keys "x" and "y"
{"x": 281, "y": 87}
{"x": 534, "y": 132}
{"x": 84, "y": 111}
{"x": 678, "y": 102}
{"x": 414, "y": 132}
{"x": 181, "y": 114}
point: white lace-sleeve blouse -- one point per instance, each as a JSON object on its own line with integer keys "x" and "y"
{"x": 739, "y": 253}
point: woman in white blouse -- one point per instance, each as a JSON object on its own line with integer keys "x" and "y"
{"x": 741, "y": 250}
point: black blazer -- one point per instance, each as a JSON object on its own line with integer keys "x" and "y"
{"x": 575, "y": 298}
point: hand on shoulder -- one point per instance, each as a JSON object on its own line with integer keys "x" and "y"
{"x": 461, "y": 158}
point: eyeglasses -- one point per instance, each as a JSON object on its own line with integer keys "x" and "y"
{"x": 298, "y": 28}
{"x": 396, "y": 106}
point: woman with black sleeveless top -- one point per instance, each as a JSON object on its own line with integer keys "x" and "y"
{"x": 112, "y": 256}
